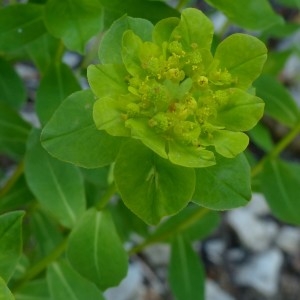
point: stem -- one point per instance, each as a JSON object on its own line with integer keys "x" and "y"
{"x": 57, "y": 252}
{"x": 199, "y": 213}
{"x": 275, "y": 152}
{"x": 12, "y": 180}
{"x": 181, "y": 4}
{"x": 41, "y": 265}
{"x": 111, "y": 190}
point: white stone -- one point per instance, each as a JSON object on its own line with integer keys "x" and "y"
{"x": 254, "y": 233}
{"x": 131, "y": 287}
{"x": 215, "y": 249}
{"x": 214, "y": 292}
{"x": 158, "y": 254}
{"x": 262, "y": 272}
{"x": 288, "y": 239}
{"x": 258, "y": 205}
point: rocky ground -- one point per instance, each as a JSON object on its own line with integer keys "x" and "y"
{"x": 251, "y": 256}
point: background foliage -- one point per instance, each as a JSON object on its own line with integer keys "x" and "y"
{"x": 60, "y": 235}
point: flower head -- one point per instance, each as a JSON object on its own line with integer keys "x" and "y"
{"x": 176, "y": 97}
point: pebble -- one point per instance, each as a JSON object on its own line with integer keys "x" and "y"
{"x": 262, "y": 272}
{"x": 214, "y": 292}
{"x": 158, "y": 254}
{"x": 131, "y": 287}
{"x": 215, "y": 250}
{"x": 258, "y": 205}
{"x": 288, "y": 239}
{"x": 254, "y": 233}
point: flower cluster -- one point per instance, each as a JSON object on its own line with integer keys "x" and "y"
{"x": 180, "y": 100}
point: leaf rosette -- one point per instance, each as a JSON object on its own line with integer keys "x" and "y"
{"x": 165, "y": 87}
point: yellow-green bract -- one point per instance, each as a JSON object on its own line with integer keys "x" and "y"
{"x": 174, "y": 95}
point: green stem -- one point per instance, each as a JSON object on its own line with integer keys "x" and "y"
{"x": 181, "y": 4}
{"x": 275, "y": 152}
{"x": 111, "y": 190}
{"x": 12, "y": 180}
{"x": 41, "y": 265}
{"x": 57, "y": 252}
{"x": 198, "y": 214}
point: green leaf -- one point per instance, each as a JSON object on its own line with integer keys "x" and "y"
{"x": 243, "y": 56}
{"x": 225, "y": 185}
{"x": 193, "y": 222}
{"x": 140, "y": 130}
{"x": 34, "y": 290}
{"x": 65, "y": 283}
{"x": 16, "y": 197}
{"x": 5, "y": 293}
{"x": 58, "y": 83}
{"x": 12, "y": 90}
{"x": 254, "y": 14}
{"x": 280, "y": 105}
{"x": 126, "y": 222}
{"x": 75, "y": 22}
{"x": 43, "y": 51}
{"x": 241, "y": 111}
{"x": 194, "y": 27}
{"x": 19, "y": 25}
{"x": 153, "y": 11}
{"x": 13, "y": 132}
{"x": 261, "y": 136}
{"x": 46, "y": 234}
{"x": 95, "y": 249}
{"x": 230, "y": 143}
{"x": 113, "y": 38}
{"x": 153, "y": 181}
{"x": 10, "y": 242}
{"x": 75, "y": 139}
{"x": 107, "y": 80}
{"x": 281, "y": 185}
{"x": 131, "y": 48}
{"x": 190, "y": 156}
{"x": 163, "y": 29}
{"x": 186, "y": 273}
{"x": 57, "y": 186}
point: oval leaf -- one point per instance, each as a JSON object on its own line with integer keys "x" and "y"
{"x": 56, "y": 85}
{"x": 154, "y": 181}
{"x": 65, "y": 283}
{"x": 57, "y": 186}
{"x": 194, "y": 27}
{"x": 75, "y": 139}
{"x": 75, "y": 22}
{"x": 225, "y": 185}
{"x": 280, "y": 105}
{"x": 19, "y": 25}
{"x": 243, "y": 56}
{"x": 5, "y": 293}
{"x": 10, "y": 242}
{"x": 12, "y": 90}
{"x": 241, "y": 111}
{"x": 113, "y": 38}
{"x": 95, "y": 249}
{"x": 281, "y": 186}
{"x": 13, "y": 132}
{"x": 254, "y": 14}
{"x": 36, "y": 289}
{"x": 186, "y": 273}
{"x": 107, "y": 80}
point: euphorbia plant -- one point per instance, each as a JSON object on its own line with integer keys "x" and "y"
{"x": 178, "y": 104}
{"x": 162, "y": 128}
